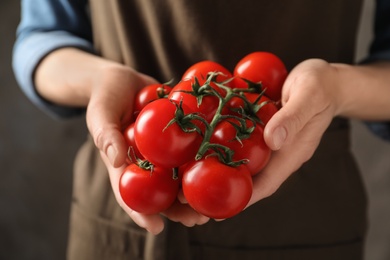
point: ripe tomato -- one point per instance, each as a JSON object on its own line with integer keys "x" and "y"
{"x": 163, "y": 145}
{"x": 201, "y": 69}
{"x": 149, "y": 94}
{"x": 264, "y": 111}
{"x": 251, "y": 147}
{"x": 129, "y": 137}
{"x": 262, "y": 67}
{"x": 207, "y": 107}
{"x": 215, "y": 189}
{"x": 146, "y": 191}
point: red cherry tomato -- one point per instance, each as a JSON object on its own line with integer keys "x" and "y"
{"x": 129, "y": 137}
{"x": 266, "y": 107}
{"x": 164, "y": 145}
{"x": 208, "y": 103}
{"x": 262, "y": 67}
{"x": 215, "y": 189}
{"x": 149, "y": 94}
{"x": 201, "y": 69}
{"x": 146, "y": 191}
{"x": 250, "y": 147}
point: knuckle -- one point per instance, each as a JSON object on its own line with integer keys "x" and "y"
{"x": 100, "y": 137}
{"x": 97, "y": 135}
{"x": 294, "y": 121}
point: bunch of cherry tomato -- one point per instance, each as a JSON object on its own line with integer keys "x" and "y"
{"x": 203, "y": 135}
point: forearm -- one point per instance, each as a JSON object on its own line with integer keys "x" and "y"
{"x": 66, "y": 76}
{"x": 364, "y": 91}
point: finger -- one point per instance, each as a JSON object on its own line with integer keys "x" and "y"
{"x": 273, "y": 175}
{"x": 105, "y": 129}
{"x": 152, "y": 223}
{"x": 298, "y": 109}
{"x": 104, "y": 113}
{"x": 290, "y": 158}
{"x": 181, "y": 197}
{"x": 184, "y": 214}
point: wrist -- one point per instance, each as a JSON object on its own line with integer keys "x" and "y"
{"x": 66, "y": 76}
{"x": 340, "y": 89}
{"x": 362, "y": 91}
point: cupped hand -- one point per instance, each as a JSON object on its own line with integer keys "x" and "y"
{"x": 109, "y": 110}
{"x": 309, "y": 103}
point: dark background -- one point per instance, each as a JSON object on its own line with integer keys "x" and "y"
{"x": 36, "y": 156}
{"x": 37, "y": 152}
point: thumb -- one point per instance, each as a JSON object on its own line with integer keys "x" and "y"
{"x": 104, "y": 113}
{"x": 108, "y": 137}
{"x": 288, "y": 121}
{"x": 307, "y": 99}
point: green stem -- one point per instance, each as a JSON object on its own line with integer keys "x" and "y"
{"x": 224, "y": 153}
{"x": 205, "y": 145}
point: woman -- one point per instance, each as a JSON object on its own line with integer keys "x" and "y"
{"x": 308, "y": 203}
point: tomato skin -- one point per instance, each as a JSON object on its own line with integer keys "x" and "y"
{"x": 265, "y": 113}
{"x": 206, "y": 109}
{"x": 253, "y": 148}
{"x": 215, "y": 189}
{"x": 148, "y": 192}
{"x": 128, "y": 133}
{"x": 168, "y": 147}
{"x": 150, "y": 93}
{"x": 263, "y": 67}
{"x": 201, "y": 69}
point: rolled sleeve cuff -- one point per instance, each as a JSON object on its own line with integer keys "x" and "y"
{"x": 28, "y": 54}
{"x": 380, "y": 129}
{"x": 377, "y": 56}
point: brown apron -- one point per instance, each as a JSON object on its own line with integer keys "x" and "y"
{"x": 318, "y": 213}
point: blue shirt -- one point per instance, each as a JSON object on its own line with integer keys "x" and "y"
{"x": 47, "y": 25}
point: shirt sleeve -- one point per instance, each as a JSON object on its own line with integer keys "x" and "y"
{"x": 380, "y": 51}
{"x": 380, "y": 46}
{"x": 45, "y": 26}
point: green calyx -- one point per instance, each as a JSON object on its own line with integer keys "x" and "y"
{"x": 184, "y": 121}
{"x": 243, "y": 131}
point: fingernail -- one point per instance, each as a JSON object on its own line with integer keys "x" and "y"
{"x": 111, "y": 154}
{"x": 279, "y": 137}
